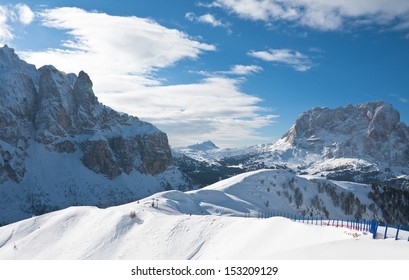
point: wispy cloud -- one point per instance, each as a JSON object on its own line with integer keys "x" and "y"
{"x": 400, "y": 98}
{"x": 208, "y": 5}
{"x": 5, "y": 32}
{"x": 245, "y": 69}
{"x": 235, "y": 70}
{"x": 123, "y": 62}
{"x": 214, "y": 108}
{"x": 300, "y": 62}
{"x": 124, "y": 55}
{"x": 10, "y": 14}
{"x": 320, "y": 14}
{"x": 208, "y": 19}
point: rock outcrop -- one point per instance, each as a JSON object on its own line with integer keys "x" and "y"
{"x": 51, "y": 123}
{"x": 61, "y": 112}
{"x": 371, "y": 130}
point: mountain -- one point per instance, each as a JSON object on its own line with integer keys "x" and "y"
{"x": 370, "y": 132}
{"x": 59, "y": 146}
{"x": 364, "y": 143}
{"x": 203, "y": 146}
{"x": 203, "y": 224}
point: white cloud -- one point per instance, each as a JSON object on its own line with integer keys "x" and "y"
{"x": 190, "y": 16}
{"x": 208, "y": 5}
{"x": 245, "y": 69}
{"x": 213, "y": 109}
{"x": 235, "y": 70}
{"x": 25, "y": 14}
{"x": 206, "y": 19}
{"x": 320, "y": 14}
{"x": 118, "y": 52}
{"x": 400, "y": 98}
{"x": 122, "y": 55}
{"x": 10, "y": 14}
{"x": 210, "y": 19}
{"x": 295, "y": 59}
{"x": 5, "y": 30}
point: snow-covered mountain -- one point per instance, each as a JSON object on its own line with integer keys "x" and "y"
{"x": 369, "y": 134}
{"x": 203, "y": 146}
{"x": 60, "y": 147}
{"x": 365, "y": 143}
{"x": 210, "y": 224}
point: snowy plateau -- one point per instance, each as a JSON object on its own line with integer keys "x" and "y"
{"x": 81, "y": 181}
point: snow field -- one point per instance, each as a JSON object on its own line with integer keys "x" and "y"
{"x": 113, "y": 233}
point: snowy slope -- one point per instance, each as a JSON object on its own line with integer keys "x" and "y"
{"x": 56, "y": 180}
{"x": 203, "y": 224}
{"x": 113, "y": 233}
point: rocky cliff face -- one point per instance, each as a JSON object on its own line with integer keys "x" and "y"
{"x": 49, "y": 110}
{"x": 61, "y": 112}
{"x": 370, "y": 130}
{"x": 364, "y": 143}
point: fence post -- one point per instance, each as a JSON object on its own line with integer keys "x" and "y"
{"x": 374, "y": 228}
{"x": 386, "y": 231}
{"x": 397, "y": 233}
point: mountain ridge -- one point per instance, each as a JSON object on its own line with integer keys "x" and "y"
{"x": 48, "y": 115}
{"x": 365, "y": 143}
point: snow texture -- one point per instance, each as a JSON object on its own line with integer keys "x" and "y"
{"x": 184, "y": 226}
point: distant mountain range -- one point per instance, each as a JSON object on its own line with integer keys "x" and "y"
{"x": 365, "y": 143}
{"x": 60, "y": 147}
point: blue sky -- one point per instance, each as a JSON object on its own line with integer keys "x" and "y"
{"x": 237, "y": 72}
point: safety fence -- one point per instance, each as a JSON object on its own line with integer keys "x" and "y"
{"x": 377, "y": 229}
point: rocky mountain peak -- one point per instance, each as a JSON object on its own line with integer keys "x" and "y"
{"x": 60, "y": 146}
{"x": 372, "y": 129}
{"x": 8, "y": 58}
{"x": 203, "y": 146}
{"x": 62, "y": 112}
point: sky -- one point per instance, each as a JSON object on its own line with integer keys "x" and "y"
{"x": 237, "y": 72}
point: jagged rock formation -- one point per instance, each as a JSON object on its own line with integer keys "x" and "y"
{"x": 364, "y": 143}
{"x": 369, "y": 130}
{"x": 203, "y": 146}
{"x": 58, "y": 113}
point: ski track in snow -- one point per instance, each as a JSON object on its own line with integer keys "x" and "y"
{"x": 200, "y": 224}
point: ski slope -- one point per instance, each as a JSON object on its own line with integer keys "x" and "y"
{"x": 203, "y": 224}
